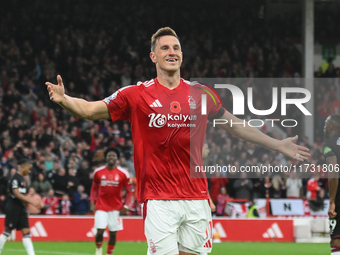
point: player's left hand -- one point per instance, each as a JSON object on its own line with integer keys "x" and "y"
{"x": 331, "y": 210}
{"x": 212, "y": 206}
{"x": 124, "y": 210}
{"x": 288, "y": 148}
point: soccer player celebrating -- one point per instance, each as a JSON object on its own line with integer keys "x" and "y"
{"x": 331, "y": 151}
{"x": 169, "y": 131}
{"x": 16, "y": 211}
{"x": 106, "y": 201}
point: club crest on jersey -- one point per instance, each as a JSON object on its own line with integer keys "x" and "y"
{"x": 175, "y": 107}
{"x": 192, "y": 103}
{"x": 157, "y": 121}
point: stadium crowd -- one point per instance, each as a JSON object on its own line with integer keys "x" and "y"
{"x": 99, "y": 49}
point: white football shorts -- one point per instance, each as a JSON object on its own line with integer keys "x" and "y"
{"x": 171, "y": 226}
{"x": 109, "y": 219}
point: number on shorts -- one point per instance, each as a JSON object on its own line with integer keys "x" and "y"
{"x": 332, "y": 225}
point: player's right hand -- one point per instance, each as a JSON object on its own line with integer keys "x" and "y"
{"x": 56, "y": 92}
{"x": 331, "y": 211}
{"x": 93, "y": 208}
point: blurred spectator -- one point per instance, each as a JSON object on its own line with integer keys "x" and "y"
{"x": 65, "y": 205}
{"x": 221, "y": 201}
{"x": 278, "y": 186}
{"x": 216, "y": 182}
{"x": 42, "y": 185}
{"x": 243, "y": 187}
{"x": 35, "y": 197}
{"x": 72, "y": 179}
{"x": 80, "y": 201}
{"x": 293, "y": 186}
{"x": 51, "y": 203}
{"x": 258, "y": 181}
{"x": 269, "y": 189}
{"x": 60, "y": 182}
{"x": 252, "y": 210}
{"x": 313, "y": 187}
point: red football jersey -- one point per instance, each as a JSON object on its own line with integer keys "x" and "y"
{"x": 107, "y": 188}
{"x": 53, "y": 202}
{"x": 312, "y": 191}
{"x": 168, "y": 129}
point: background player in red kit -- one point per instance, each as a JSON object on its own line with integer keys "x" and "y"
{"x": 106, "y": 201}
{"x": 169, "y": 131}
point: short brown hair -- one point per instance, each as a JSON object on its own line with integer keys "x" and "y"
{"x": 161, "y": 32}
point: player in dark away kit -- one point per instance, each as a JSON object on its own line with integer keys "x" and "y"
{"x": 16, "y": 212}
{"x": 331, "y": 151}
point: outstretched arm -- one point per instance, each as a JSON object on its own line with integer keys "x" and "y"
{"x": 77, "y": 106}
{"x": 251, "y": 134}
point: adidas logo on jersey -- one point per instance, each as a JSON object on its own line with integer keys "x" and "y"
{"x": 273, "y": 232}
{"x": 38, "y": 230}
{"x": 103, "y": 177}
{"x": 156, "y": 104}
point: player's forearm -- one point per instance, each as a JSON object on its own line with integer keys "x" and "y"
{"x": 333, "y": 186}
{"x": 76, "y": 106}
{"x": 23, "y": 198}
{"x": 93, "y": 193}
{"x": 333, "y": 178}
{"x": 128, "y": 199}
{"x": 241, "y": 129}
{"x": 253, "y": 135}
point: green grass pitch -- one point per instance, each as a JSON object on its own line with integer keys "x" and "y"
{"x": 136, "y": 248}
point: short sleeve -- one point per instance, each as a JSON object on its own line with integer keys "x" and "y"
{"x": 14, "y": 184}
{"x": 95, "y": 178}
{"x": 214, "y": 103}
{"x": 120, "y": 103}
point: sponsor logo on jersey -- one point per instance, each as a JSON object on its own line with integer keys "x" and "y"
{"x": 22, "y": 190}
{"x": 326, "y": 150}
{"x": 175, "y": 107}
{"x": 160, "y": 120}
{"x": 156, "y": 104}
{"x": 109, "y": 183}
{"x": 157, "y": 121}
{"x": 273, "y": 232}
{"x": 14, "y": 184}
